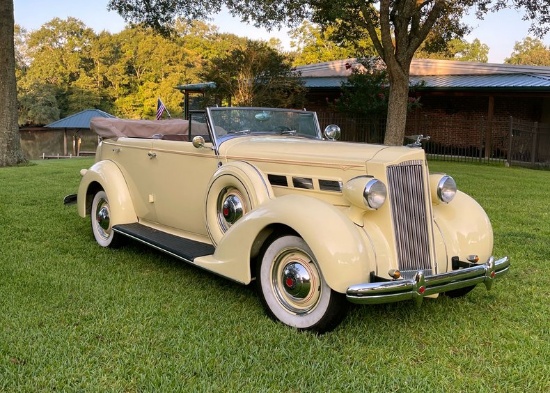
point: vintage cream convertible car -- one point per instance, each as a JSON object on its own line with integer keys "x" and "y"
{"x": 256, "y": 194}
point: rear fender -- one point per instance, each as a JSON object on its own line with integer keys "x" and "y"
{"x": 106, "y": 175}
{"x": 338, "y": 245}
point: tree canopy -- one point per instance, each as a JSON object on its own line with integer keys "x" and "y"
{"x": 64, "y": 66}
{"x": 458, "y": 49}
{"x": 255, "y": 75}
{"x": 530, "y": 51}
{"x": 313, "y": 44}
{"x": 396, "y": 28}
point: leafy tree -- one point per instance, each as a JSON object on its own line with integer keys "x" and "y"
{"x": 10, "y": 143}
{"x": 20, "y": 42}
{"x": 530, "y": 51}
{"x": 366, "y": 91}
{"x": 474, "y": 51}
{"x": 255, "y": 75}
{"x": 204, "y": 40}
{"x": 147, "y": 65}
{"x": 316, "y": 45}
{"x": 38, "y": 104}
{"x": 59, "y": 55}
{"x": 64, "y": 67}
{"x": 397, "y": 27}
{"x": 459, "y": 49}
{"x": 275, "y": 44}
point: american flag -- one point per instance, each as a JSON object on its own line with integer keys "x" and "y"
{"x": 160, "y": 109}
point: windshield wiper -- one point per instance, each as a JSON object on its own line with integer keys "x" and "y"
{"x": 239, "y": 132}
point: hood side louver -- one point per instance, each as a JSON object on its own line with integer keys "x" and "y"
{"x": 330, "y": 185}
{"x": 277, "y": 180}
{"x": 303, "y": 182}
{"x": 306, "y": 183}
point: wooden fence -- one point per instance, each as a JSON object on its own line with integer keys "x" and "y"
{"x": 511, "y": 141}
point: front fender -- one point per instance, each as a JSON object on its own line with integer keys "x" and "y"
{"x": 338, "y": 245}
{"x": 464, "y": 229}
{"x": 107, "y": 175}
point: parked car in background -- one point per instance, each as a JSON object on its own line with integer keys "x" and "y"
{"x": 260, "y": 194}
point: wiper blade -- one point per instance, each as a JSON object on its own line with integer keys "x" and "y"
{"x": 239, "y": 132}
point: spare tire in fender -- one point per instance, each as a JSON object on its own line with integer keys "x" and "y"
{"x": 235, "y": 189}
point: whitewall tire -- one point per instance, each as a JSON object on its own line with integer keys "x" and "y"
{"x": 101, "y": 221}
{"x": 293, "y": 290}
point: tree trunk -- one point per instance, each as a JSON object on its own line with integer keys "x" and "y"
{"x": 398, "y": 101}
{"x": 10, "y": 142}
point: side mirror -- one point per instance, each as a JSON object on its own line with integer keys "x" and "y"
{"x": 198, "y": 141}
{"x": 332, "y": 132}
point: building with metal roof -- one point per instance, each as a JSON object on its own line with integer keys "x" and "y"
{"x": 437, "y": 75}
{"x": 474, "y": 106}
{"x": 80, "y": 120}
{"x": 70, "y": 135}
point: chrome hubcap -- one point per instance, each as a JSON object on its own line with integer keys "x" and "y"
{"x": 231, "y": 207}
{"x": 102, "y": 218}
{"x": 296, "y": 281}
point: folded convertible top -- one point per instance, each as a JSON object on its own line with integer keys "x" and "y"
{"x": 114, "y": 128}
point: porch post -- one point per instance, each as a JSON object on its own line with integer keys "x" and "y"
{"x": 65, "y": 142}
{"x": 489, "y": 133}
{"x": 535, "y": 143}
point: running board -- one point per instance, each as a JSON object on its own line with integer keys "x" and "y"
{"x": 176, "y": 246}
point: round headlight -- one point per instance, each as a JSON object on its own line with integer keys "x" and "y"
{"x": 375, "y": 194}
{"x": 446, "y": 189}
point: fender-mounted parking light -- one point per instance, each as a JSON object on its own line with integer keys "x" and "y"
{"x": 395, "y": 274}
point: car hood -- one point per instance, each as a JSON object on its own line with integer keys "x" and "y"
{"x": 294, "y": 150}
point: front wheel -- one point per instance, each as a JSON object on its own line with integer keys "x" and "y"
{"x": 293, "y": 290}
{"x": 101, "y": 221}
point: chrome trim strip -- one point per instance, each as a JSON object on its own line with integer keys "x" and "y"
{"x": 421, "y": 286}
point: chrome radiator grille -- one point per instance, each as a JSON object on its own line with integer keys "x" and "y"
{"x": 410, "y": 218}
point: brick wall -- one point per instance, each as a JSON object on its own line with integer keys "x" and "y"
{"x": 459, "y": 125}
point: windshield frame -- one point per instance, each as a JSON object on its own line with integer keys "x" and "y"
{"x": 220, "y": 134}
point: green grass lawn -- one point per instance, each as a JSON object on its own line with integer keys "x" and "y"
{"x": 76, "y": 317}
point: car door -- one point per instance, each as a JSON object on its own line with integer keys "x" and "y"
{"x": 134, "y": 156}
{"x": 182, "y": 174}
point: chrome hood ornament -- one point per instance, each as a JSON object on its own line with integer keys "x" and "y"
{"x": 417, "y": 140}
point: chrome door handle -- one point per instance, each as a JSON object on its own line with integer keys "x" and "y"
{"x": 152, "y": 154}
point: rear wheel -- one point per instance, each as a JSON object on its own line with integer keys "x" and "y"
{"x": 293, "y": 290}
{"x": 101, "y": 221}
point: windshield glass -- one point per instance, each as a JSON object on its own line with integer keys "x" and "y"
{"x": 227, "y": 122}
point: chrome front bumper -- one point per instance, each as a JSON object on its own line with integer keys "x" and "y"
{"x": 421, "y": 286}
